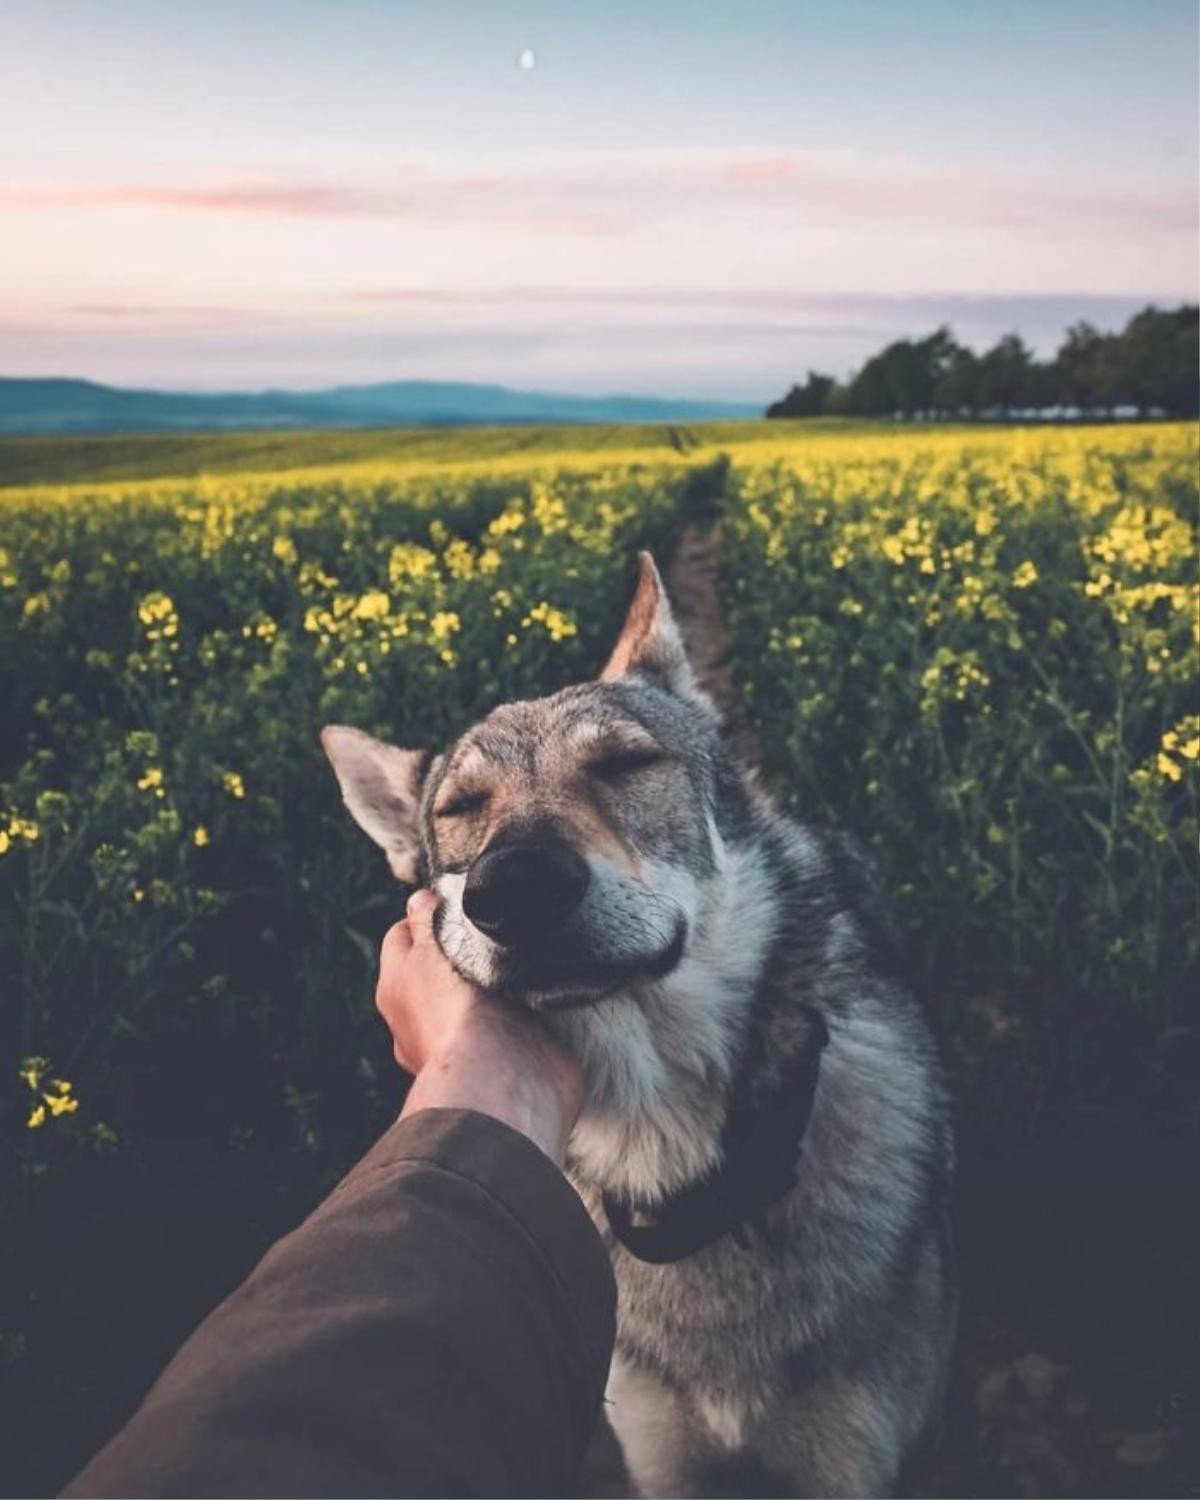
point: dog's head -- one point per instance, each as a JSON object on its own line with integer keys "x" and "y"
{"x": 570, "y": 837}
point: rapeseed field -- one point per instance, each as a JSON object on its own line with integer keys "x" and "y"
{"x": 980, "y": 654}
{"x": 975, "y": 647}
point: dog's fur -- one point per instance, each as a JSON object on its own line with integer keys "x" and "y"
{"x": 812, "y": 1360}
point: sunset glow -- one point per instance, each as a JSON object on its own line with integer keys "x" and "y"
{"x": 296, "y": 194}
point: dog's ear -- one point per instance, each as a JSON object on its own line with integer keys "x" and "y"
{"x": 650, "y": 644}
{"x": 381, "y": 786}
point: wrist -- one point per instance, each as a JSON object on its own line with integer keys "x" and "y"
{"x": 508, "y": 1072}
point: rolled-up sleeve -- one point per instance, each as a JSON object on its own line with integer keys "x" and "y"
{"x": 441, "y": 1325}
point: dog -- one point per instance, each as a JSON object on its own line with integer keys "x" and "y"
{"x": 765, "y": 1143}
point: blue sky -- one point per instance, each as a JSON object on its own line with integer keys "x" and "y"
{"x": 691, "y": 199}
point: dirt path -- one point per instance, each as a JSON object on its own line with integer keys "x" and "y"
{"x": 691, "y": 579}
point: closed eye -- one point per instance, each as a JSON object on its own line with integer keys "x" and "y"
{"x": 462, "y": 806}
{"x": 626, "y": 762}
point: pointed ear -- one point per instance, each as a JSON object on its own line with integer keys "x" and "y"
{"x": 650, "y": 643}
{"x": 381, "y": 786}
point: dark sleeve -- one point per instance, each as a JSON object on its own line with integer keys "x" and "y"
{"x": 441, "y": 1325}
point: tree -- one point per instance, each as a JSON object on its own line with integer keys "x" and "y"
{"x": 957, "y": 390}
{"x": 1158, "y": 363}
{"x": 1086, "y": 368}
{"x": 1004, "y": 375}
{"x": 808, "y": 400}
{"x": 903, "y": 377}
{"x": 1151, "y": 365}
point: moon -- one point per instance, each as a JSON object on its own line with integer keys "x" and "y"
{"x": 527, "y": 59}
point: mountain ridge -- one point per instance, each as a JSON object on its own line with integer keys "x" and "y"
{"x": 44, "y": 406}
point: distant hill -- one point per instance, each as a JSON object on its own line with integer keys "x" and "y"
{"x": 61, "y": 406}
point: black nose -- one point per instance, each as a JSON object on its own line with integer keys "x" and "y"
{"x": 521, "y": 892}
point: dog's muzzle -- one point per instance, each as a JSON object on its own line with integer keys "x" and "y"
{"x": 523, "y": 893}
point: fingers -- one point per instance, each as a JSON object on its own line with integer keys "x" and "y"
{"x": 421, "y": 907}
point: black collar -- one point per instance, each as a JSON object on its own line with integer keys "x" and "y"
{"x": 760, "y": 1147}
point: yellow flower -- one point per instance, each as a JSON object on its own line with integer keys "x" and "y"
{"x": 200, "y": 837}
{"x": 5, "y": 841}
{"x": 152, "y": 779}
{"x": 1026, "y": 574}
{"x": 233, "y": 784}
{"x": 509, "y": 520}
{"x": 444, "y": 624}
{"x": 61, "y": 1104}
{"x": 374, "y": 605}
{"x": 558, "y": 625}
{"x": 410, "y": 562}
{"x": 155, "y": 608}
{"x": 459, "y": 559}
{"x": 38, "y": 1118}
{"x": 31, "y": 1070}
{"x": 1167, "y": 768}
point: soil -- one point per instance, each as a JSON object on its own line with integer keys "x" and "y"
{"x": 1078, "y": 1363}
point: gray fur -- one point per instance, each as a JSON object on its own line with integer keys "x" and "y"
{"x": 813, "y": 1361}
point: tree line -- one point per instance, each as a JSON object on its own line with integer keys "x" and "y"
{"x": 1150, "y": 368}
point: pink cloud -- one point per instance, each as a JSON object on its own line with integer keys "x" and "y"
{"x": 307, "y": 199}
{"x": 593, "y": 196}
{"x": 839, "y": 190}
{"x": 450, "y": 200}
{"x": 732, "y": 219}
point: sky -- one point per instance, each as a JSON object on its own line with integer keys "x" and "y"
{"x": 703, "y": 198}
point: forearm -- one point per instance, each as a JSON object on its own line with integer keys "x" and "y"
{"x": 442, "y": 1324}
{"x": 480, "y": 1070}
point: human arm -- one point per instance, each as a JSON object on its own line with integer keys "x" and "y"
{"x": 442, "y": 1324}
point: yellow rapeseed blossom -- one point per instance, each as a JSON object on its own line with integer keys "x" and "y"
{"x": 374, "y": 605}
{"x": 156, "y": 609}
{"x": 32, "y": 1071}
{"x": 409, "y": 563}
{"x": 52, "y": 1096}
{"x": 507, "y": 521}
{"x": 59, "y": 1099}
{"x": 200, "y": 837}
{"x": 558, "y": 625}
{"x": 1168, "y": 768}
{"x": 233, "y": 784}
{"x": 444, "y": 624}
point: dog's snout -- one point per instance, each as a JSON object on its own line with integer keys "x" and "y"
{"x": 521, "y": 891}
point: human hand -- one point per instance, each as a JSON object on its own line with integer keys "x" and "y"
{"x": 424, "y": 1001}
{"x": 466, "y": 1050}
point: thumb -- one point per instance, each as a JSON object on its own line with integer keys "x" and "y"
{"x": 421, "y": 907}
